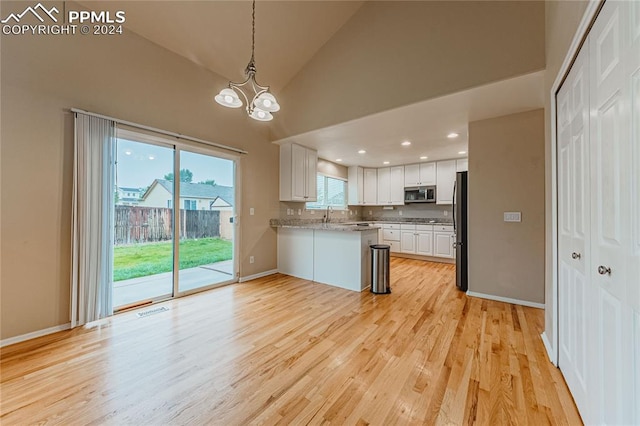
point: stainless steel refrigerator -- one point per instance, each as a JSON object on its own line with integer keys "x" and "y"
{"x": 460, "y": 227}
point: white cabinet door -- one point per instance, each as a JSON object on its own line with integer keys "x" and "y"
{"x": 445, "y": 177}
{"x": 311, "y": 172}
{"x": 424, "y": 243}
{"x": 384, "y": 185}
{"x": 423, "y": 174}
{"x": 370, "y": 187}
{"x": 443, "y": 244}
{"x": 396, "y": 185}
{"x": 428, "y": 174}
{"x": 408, "y": 241}
{"x": 462, "y": 165}
{"x": 412, "y": 175}
{"x": 298, "y": 169}
{"x": 356, "y": 186}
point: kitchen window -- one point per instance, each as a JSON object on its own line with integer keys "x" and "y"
{"x": 331, "y": 192}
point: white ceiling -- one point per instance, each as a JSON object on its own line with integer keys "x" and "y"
{"x": 217, "y": 34}
{"x": 425, "y": 124}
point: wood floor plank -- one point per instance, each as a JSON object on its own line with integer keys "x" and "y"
{"x": 281, "y": 350}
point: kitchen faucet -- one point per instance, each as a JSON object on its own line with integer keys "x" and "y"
{"x": 327, "y": 217}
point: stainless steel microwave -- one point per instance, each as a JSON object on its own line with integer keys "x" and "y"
{"x": 420, "y": 194}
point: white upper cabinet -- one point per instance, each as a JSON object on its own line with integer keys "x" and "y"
{"x": 462, "y": 165}
{"x": 423, "y": 174}
{"x": 370, "y": 187}
{"x": 446, "y": 176}
{"x": 391, "y": 185}
{"x": 356, "y": 186}
{"x": 298, "y": 169}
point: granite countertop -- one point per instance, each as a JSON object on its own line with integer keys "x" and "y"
{"x": 350, "y": 226}
{"x": 314, "y": 224}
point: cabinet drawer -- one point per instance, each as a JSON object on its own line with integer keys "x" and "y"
{"x": 394, "y": 246}
{"x": 424, "y": 227}
{"x": 408, "y": 227}
{"x": 391, "y": 226}
{"x": 443, "y": 228}
{"x": 391, "y": 234}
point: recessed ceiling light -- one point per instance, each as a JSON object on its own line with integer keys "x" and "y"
{"x": 151, "y": 157}
{"x": 385, "y": 162}
{"x": 338, "y": 160}
{"x": 405, "y": 143}
{"x": 424, "y": 157}
{"x": 128, "y": 152}
{"x": 452, "y": 135}
{"x": 462, "y": 152}
{"x": 362, "y": 151}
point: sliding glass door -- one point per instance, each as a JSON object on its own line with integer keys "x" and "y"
{"x": 174, "y": 209}
{"x": 207, "y": 206}
{"x": 143, "y": 224}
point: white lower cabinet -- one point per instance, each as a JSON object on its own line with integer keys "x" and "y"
{"x": 417, "y": 239}
{"x": 443, "y": 239}
{"x": 391, "y": 236}
{"x": 424, "y": 240}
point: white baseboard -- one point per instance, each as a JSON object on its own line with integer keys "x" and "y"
{"x": 34, "y": 334}
{"x": 506, "y": 299}
{"x": 258, "y": 275}
{"x": 547, "y": 345}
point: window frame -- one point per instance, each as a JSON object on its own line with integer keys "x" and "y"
{"x": 313, "y": 205}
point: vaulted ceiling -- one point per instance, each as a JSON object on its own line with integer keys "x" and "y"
{"x": 217, "y": 34}
{"x": 353, "y": 75}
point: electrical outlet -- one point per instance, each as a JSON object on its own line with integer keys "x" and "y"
{"x": 400, "y": 212}
{"x": 512, "y": 216}
{"x": 342, "y": 212}
{"x": 299, "y": 212}
{"x": 312, "y": 211}
{"x": 251, "y": 259}
{"x": 446, "y": 212}
{"x": 251, "y": 211}
{"x": 370, "y": 212}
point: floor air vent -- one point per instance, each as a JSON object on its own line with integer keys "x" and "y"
{"x": 151, "y": 312}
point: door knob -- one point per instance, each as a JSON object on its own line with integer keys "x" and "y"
{"x": 603, "y": 270}
{"x": 575, "y": 255}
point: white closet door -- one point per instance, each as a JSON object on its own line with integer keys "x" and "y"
{"x": 573, "y": 248}
{"x": 610, "y": 152}
{"x": 633, "y": 70}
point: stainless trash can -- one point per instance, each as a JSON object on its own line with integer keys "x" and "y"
{"x": 380, "y": 268}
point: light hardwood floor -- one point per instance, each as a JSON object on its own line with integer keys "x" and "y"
{"x": 289, "y": 351}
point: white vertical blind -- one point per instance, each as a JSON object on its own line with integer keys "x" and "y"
{"x": 92, "y": 219}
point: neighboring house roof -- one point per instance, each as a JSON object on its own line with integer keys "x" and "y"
{"x": 129, "y": 189}
{"x": 196, "y": 190}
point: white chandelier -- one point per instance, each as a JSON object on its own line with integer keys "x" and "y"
{"x": 262, "y": 102}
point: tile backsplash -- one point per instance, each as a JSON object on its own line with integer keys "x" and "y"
{"x": 414, "y": 211}
{"x": 293, "y": 210}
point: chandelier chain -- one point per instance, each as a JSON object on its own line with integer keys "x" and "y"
{"x": 253, "y": 30}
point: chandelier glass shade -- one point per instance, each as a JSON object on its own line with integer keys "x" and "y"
{"x": 258, "y": 101}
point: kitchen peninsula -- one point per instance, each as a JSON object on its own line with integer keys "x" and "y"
{"x": 330, "y": 253}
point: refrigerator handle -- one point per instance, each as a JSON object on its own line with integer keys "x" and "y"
{"x": 453, "y": 203}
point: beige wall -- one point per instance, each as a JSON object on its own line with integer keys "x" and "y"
{"x": 122, "y": 76}
{"x": 562, "y": 20}
{"x": 506, "y": 173}
{"x": 391, "y": 54}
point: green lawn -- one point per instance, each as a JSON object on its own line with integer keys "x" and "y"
{"x": 140, "y": 260}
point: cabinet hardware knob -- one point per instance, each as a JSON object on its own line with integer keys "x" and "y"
{"x": 603, "y": 270}
{"x": 575, "y": 255}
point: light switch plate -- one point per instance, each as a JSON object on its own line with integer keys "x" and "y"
{"x": 512, "y": 216}
{"x": 251, "y": 211}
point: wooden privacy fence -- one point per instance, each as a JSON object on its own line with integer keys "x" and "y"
{"x": 149, "y": 224}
